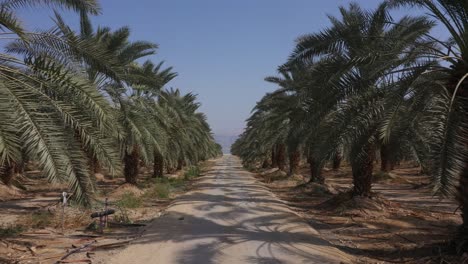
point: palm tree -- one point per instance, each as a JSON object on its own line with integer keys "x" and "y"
{"x": 37, "y": 121}
{"x": 285, "y": 101}
{"x": 11, "y": 23}
{"x": 126, "y": 82}
{"x": 113, "y": 69}
{"x": 451, "y": 163}
{"x": 190, "y": 140}
{"x": 361, "y": 53}
{"x": 266, "y": 132}
{"x": 338, "y": 92}
{"x": 70, "y": 100}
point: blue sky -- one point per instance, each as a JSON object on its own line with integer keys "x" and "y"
{"x": 222, "y": 49}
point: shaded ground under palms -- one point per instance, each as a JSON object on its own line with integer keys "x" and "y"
{"x": 404, "y": 223}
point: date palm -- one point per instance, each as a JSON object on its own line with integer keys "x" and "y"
{"x": 49, "y": 110}
{"x": 144, "y": 137}
{"x": 361, "y": 52}
{"x": 267, "y": 130}
{"x": 124, "y": 80}
{"x": 351, "y": 75}
{"x": 189, "y": 135}
{"x": 451, "y": 166}
{"x": 109, "y": 59}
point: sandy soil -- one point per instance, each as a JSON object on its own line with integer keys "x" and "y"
{"x": 229, "y": 218}
{"x": 403, "y": 223}
{"x": 38, "y": 213}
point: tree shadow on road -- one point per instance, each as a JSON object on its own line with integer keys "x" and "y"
{"x": 277, "y": 233}
{"x": 231, "y": 216}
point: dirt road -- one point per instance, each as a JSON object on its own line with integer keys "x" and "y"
{"x": 229, "y": 218}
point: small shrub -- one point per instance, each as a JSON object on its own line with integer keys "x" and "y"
{"x": 162, "y": 190}
{"x": 40, "y": 219}
{"x": 159, "y": 190}
{"x": 11, "y": 230}
{"x": 123, "y": 218}
{"x": 176, "y": 182}
{"x": 162, "y": 180}
{"x": 129, "y": 200}
{"x": 192, "y": 172}
{"x": 94, "y": 226}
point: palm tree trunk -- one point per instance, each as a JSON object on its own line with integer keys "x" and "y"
{"x": 274, "y": 159}
{"x": 362, "y": 173}
{"x": 158, "y": 166}
{"x": 294, "y": 162}
{"x": 315, "y": 171}
{"x": 462, "y": 197}
{"x": 180, "y": 164}
{"x": 7, "y": 173}
{"x": 18, "y": 167}
{"x": 95, "y": 165}
{"x": 384, "y": 159}
{"x": 280, "y": 158}
{"x": 337, "y": 160}
{"x": 131, "y": 165}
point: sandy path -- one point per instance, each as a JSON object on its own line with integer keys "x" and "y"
{"x": 229, "y": 218}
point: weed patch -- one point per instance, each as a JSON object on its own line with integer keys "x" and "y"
{"x": 192, "y": 172}
{"x": 159, "y": 190}
{"x": 41, "y": 219}
{"x": 11, "y": 230}
{"x": 130, "y": 200}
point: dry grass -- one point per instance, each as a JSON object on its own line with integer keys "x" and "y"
{"x": 11, "y": 230}
{"x": 125, "y": 189}
{"x": 52, "y": 218}
{"x": 129, "y": 200}
{"x": 30, "y": 225}
{"x": 10, "y": 192}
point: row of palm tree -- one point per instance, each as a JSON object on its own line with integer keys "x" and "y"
{"x": 81, "y": 101}
{"x": 370, "y": 86}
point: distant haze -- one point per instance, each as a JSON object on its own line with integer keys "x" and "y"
{"x": 225, "y": 141}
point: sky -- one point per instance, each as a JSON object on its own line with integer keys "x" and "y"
{"x": 221, "y": 49}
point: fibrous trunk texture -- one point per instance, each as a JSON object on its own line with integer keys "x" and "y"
{"x": 315, "y": 171}
{"x": 337, "y": 160}
{"x": 7, "y": 173}
{"x": 158, "y": 166}
{"x": 274, "y": 159}
{"x": 95, "y": 166}
{"x": 131, "y": 165}
{"x": 384, "y": 159}
{"x": 281, "y": 156}
{"x": 362, "y": 172}
{"x": 294, "y": 162}
{"x": 180, "y": 164}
